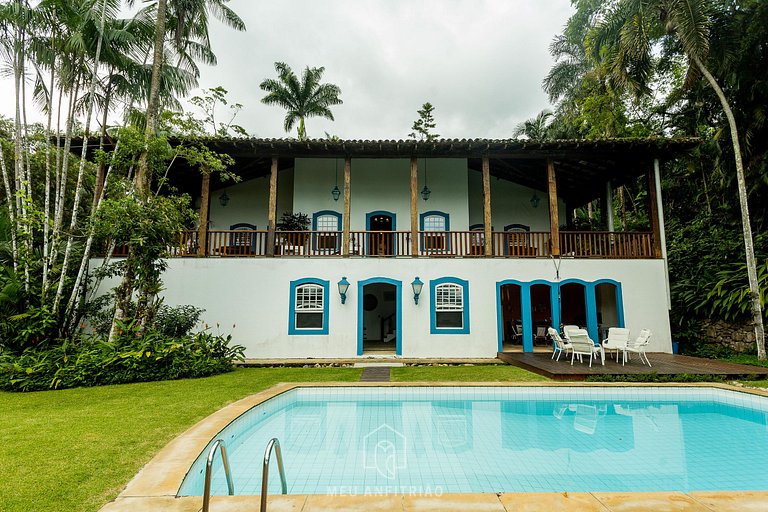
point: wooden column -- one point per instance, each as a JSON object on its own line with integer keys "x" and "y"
{"x": 414, "y": 207}
{"x": 554, "y": 220}
{"x": 272, "y": 212}
{"x": 487, "y": 236}
{"x": 205, "y": 203}
{"x": 345, "y": 220}
{"x": 653, "y": 212}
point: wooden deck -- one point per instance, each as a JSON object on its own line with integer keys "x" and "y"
{"x": 663, "y": 364}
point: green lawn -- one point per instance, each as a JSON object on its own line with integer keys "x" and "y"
{"x": 75, "y": 449}
{"x": 479, "y": 373}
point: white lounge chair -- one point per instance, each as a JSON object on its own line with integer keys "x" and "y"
{"x": 617, "y": 340}
{"x": 639, "y": 346}
{"x": 582, "y": 345}
{"x": 559, "y": 345}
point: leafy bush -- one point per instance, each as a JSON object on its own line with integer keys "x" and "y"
{"x": 178, "y": 320}
{"x": 134, "y": 357}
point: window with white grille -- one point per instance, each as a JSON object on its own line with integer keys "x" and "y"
{"x": 449, "y": 306}
{"x": 309, "y": 306}
{"x": 327, "y": 223}
{"x": 434, "y": 223}
{"x": 328, "y": 239}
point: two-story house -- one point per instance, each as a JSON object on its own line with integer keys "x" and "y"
{"x": 452, "y": 248}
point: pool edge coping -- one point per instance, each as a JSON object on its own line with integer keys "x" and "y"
{"x": 157, "y": 483}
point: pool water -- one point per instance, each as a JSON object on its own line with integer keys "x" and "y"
{"x": 491, "y": 439}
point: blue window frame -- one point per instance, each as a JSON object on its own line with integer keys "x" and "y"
{"x": 434, "y": 226}
{"x": 449, "y": 306}
{"x": 308, "y": 308}
{"x": 326, "y": 221}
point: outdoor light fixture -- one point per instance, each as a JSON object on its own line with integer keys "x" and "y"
{"x": 224, "y": 199}
{"x": 425, "y": 192}
{"x": 343, "y": 287}
{"x": 417, "y": 285}
{"x": 336, "y": 193}
{"x": 535, "y": 200}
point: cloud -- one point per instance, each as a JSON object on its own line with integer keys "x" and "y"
{"x": 479, "y": 62}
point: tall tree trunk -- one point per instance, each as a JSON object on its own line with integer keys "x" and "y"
{"x": 143, "y": 175}
{"x": 83, "y": 158}
{"x": 48, "y": 148}
{"x": 754, "y": 287}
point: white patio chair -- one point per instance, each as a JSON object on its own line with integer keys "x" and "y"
{"x": 541, "y": 334}
{"x": 617, "y": 340}
{"x": 567, "y": 329}
{"x": 582, "y": 345}
{"x": 639, "y": 346}
{"x": 559, "y": 345}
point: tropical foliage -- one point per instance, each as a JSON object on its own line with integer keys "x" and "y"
{"x": 69, "y": 190}
{"x": 695, "y": 68}
{"x": 300, "y": 98}
{"x": 423, "y": 126}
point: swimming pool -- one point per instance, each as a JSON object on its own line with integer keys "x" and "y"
{"x": 433, "y": 440}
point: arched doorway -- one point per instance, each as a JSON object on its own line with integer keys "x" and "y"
{"x": 609, "y": 306}
{"x": 381, "y": 237}
{"x": 510, "y": 316}
{"x": 541, "y": 312}
{"x": 573, "y": 304}
{"x": 379, "y": 316}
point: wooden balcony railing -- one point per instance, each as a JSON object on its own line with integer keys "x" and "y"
{"x": 433, "y": 244}
{"x": 521, "y": 244}
{"x": 605, "y": 244}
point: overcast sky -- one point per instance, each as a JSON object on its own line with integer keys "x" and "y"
{"x": 479, "y": 62}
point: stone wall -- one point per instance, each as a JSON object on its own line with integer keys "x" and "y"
{"x": 738, "y": 337}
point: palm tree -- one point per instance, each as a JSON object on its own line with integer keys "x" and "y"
{"x": 535, "y": 128}
{"x": 624, "y": 40}
{"x": 301, "y": 99}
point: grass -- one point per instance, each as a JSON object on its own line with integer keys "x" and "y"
{"x": 76, "y": 449}
{"x": 480, "y": 373}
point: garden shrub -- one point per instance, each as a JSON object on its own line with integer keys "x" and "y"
{"x": 134, "y": 357}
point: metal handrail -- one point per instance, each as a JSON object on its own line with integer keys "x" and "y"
{"x": 273, "y": 443}
{"x": 218, "y": 444}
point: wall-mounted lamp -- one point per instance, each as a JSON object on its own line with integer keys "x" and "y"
{"x": 224, "y": 199}
{"x": 417, "y": 285}
{"x": 535, "y": 200}
{"x": 343, "y": 287}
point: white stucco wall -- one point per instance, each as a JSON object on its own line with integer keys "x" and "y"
{"x": 510, "y": 204}
{"x": 253, "y": 294}
{"x": 249, "y": 201}
{"x": 383, "y": 184}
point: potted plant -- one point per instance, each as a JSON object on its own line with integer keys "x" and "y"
{"x": 293, "y": 240}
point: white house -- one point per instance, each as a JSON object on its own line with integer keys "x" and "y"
{"x": 483, "y": 224}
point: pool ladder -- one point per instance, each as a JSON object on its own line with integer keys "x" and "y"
{"x": 219, "y": 445}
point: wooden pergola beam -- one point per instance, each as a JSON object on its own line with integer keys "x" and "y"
{"x": 488, "y": 242}
{"x": 414, "y": 207}
{"x": 345, "y": 217}
{"x": 554, "y": 221}
{"x": 205, "y": 204}
{"x": 272, "y": 211}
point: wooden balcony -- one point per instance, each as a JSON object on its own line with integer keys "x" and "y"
{"x": 430, "y": 244}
